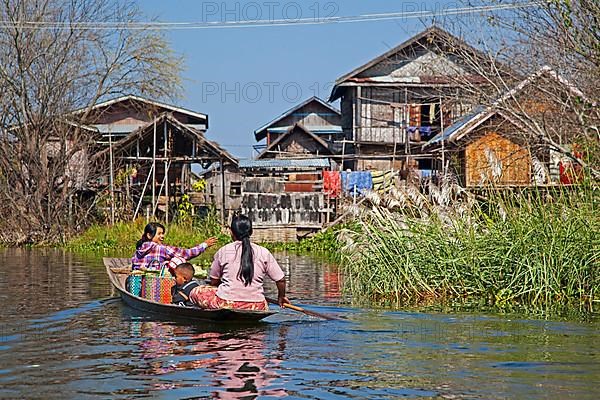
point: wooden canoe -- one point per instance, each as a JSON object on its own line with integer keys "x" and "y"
{"x": 116, "y": 267}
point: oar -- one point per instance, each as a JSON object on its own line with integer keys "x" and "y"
{"x": 129, "y": 271}
{"x": 302, "y": 310}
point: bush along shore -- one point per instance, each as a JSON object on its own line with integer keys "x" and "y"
{"x": 534, "y": 249}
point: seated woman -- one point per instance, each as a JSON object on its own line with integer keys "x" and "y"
{"x": 152, "y": 254}
{"x": 237, "y": 274}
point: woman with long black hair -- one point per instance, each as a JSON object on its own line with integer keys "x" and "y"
{"x": 238, "y": 271}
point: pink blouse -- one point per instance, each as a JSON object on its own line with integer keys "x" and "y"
{"x": 226, "y": 265}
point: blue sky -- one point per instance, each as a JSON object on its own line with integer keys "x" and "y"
{"x": 243, "y": 78}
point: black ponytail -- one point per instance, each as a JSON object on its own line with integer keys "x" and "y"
{"x": 150, "y": 229}
{"x": 241, "y": 227}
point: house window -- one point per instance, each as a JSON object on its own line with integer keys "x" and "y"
{"x": 235, "y": 189}
{"x": 430, "y": 115}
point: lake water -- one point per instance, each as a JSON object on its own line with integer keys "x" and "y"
{"x": 60, "y": 337}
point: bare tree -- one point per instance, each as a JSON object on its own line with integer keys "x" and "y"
{"x": 543, "y": 71}
{"x": 56, "y": 57}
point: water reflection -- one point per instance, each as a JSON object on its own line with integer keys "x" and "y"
{"x": 239, "y": 366}
{"x": 310, "y": 280}
{"x": 36, "y": 282}
{"x": 235, "y": 363}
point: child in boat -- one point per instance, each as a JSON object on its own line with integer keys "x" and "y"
{"x": 184, "y": 283}
{"x": 152, "y": 254}
{"x": 237, "y": 274}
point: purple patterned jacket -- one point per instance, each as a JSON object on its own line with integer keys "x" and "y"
{"x": 154, "y": 256}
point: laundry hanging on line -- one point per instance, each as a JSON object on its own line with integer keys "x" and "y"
{"x": 359, "y": 181}
{"x": 383, "y": 180}
{"x": 432, "y": 109}
{"x": 332, "y": 185}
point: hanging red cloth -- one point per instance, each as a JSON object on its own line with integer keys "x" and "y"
{"x": 332, "y": 185}
{"x": 570, "y": 172}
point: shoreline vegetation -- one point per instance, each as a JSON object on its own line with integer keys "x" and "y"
{"x": 121, "y": 237}
{"x": 535, "y": 249}
{"x": 531, "y": 249}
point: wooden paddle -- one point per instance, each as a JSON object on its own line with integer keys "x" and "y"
{"x": 129, "y": 271}
{"x": 302, "y": 310}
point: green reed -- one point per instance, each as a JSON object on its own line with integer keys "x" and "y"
{"x": 531, "y": 248}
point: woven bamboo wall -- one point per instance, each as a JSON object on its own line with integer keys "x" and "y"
{"x": 277, "y": 209}
{"x": 514, "y": 161}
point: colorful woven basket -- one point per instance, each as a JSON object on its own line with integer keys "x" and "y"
{"x": 157, "y": 288}
{"x": 133, "y": 284}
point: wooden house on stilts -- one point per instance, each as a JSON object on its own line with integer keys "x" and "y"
{"x": 514, "y": 141}
{"x": 281, "y": 190}
{"x": 151, "y": 148}
{"x": 309, "y": 129}
{"x": 398, "y": 101}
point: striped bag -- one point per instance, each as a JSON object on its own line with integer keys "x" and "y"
{"x": 157, "y": 288}
{"x": 133, "y": 284}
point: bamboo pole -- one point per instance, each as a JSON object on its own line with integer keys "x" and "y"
{"x": 222, "y": 192}
{"x": 182, "y": 179}
{"x": 112, "y": 179}
{"x": 137, "y": 209}
{"x": 443, "y": 139}
{"x": 127, "y": 184}
{"x": 359, "y": 126}
{"x": 160, "y": 190}
{"x": 154, "y": 168}
{"x": 166, "y": 172}
{"x": 406, "y": 135}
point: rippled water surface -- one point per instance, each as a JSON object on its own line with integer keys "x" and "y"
{"x": 62, "y": 336}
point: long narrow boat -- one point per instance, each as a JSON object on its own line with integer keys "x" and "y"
{"x": 114, "y": 268}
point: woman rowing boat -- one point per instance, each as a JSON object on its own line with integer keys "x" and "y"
{"x": 237, "y": 274}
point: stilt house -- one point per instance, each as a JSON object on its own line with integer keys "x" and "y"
{"x": 151, "y": 147}
{"x": 398, "y": 101}
{"x": 281, "y": 190}
{"x": 503, "y": 144}
{"x": 311, "y": 129}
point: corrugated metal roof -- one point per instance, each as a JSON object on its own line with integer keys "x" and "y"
{"x": 118, "y": 128}
{"x": 200, "y": 127}
{"x": 128, "y": 128}
{"x": 286, "y": 163}
{"x": 147, "y": 101}
{"x": 433, "y": 36}
{"x": 448, "y": 132}
{"x": 257, "y": 133}
{"x": 318, "y": 130}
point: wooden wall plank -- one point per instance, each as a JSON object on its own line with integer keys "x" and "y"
{"x": 514, "y": 160}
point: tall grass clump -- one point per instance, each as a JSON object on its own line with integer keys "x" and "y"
{"x": 533, "y": 248}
